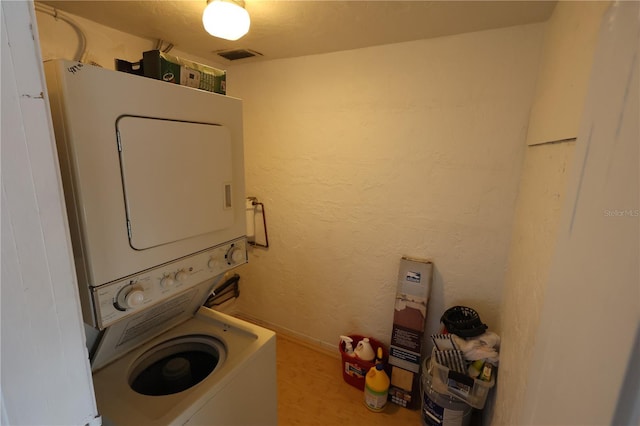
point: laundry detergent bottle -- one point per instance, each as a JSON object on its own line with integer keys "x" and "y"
{"x": 364, "y": 351}
{"x": 376, "y": 388}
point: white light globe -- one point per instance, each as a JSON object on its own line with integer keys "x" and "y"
{"x": 226, "y": 19}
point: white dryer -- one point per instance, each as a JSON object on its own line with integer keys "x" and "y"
{"x": 152, "y": 172}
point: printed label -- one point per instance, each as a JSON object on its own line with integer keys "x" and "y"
{"x": 404, "y": 359}
{"x": 189, "y": 77}
{"x": 354, "y": 370}
{"x": 459, "y": 388}
{"x": 75, "y": 68}
{"x": 400, "y": 396}
{"x": 155, "y": 318}
{"x": 375, "y": 400}
{"x": 413, "y": 277}
{"x": 435, "y": 415}
{"x": 405, "y": 355}
{"x": 406, "y": 338}
{"x": 432, "y": 413}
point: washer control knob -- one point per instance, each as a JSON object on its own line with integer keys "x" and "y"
{"x": 129, "y": 297}
{"x": 213, "y": 263}
{"x": 235, "y": 255}
{"x": 134, "y": 298}
{"x": 167, "y": 282}
{"x": 182, "y": 275}
{"x": 217, "y": 261}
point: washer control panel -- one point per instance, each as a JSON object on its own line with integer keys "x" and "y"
{"x": 116, "y": 300}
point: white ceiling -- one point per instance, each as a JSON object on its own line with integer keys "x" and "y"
{"x": 290, "y": 28}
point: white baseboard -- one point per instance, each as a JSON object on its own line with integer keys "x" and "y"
{"x": 315, "y": 344}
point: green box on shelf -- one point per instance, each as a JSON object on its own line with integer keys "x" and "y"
{"x": 162, "y": 66}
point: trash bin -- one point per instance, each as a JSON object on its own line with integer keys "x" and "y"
{"x": 438, "y": 407}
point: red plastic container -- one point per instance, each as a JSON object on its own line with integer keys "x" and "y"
{"x": 354, "y": 369}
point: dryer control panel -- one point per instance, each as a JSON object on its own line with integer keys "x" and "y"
{"x": 119, "y": 299}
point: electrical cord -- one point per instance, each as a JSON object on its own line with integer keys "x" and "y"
{"x": 82, "y": 40}
{"x": 160, "y": 43}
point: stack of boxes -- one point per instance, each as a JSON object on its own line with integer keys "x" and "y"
{"x": 162, "y": 66}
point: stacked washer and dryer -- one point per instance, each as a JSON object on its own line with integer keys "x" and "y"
{"x": 153, "y": 179}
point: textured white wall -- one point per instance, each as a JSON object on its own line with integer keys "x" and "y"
{"x": 564, "y": 71}
{"x": 572, "y": 32}
{"x": 364, "y": 156}
{"x": 540, "y": 199}
{"x": 592, "y": 303}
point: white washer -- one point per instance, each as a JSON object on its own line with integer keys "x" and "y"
{"x": 241, "y": 389}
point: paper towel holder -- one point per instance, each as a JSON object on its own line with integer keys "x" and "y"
{"x": 251, "y": 204}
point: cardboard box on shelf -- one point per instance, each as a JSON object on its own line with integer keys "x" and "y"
{"x": 162, "y": 66}
{"x": 405, "y": 353}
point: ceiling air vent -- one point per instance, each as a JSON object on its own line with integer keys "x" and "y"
{"x": 234, "y": 55}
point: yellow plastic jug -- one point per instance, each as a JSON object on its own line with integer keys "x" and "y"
{"x": 376, "y": 388}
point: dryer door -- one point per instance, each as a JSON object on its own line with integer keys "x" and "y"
{"x": 176, "y": 177}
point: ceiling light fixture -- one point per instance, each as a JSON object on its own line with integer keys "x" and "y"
{"x": 226, "y": 19}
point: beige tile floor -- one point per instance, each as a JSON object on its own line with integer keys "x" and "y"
{"x": 311, "y": 392}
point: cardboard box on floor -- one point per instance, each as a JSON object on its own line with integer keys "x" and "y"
{"x": 410, "y": 313}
